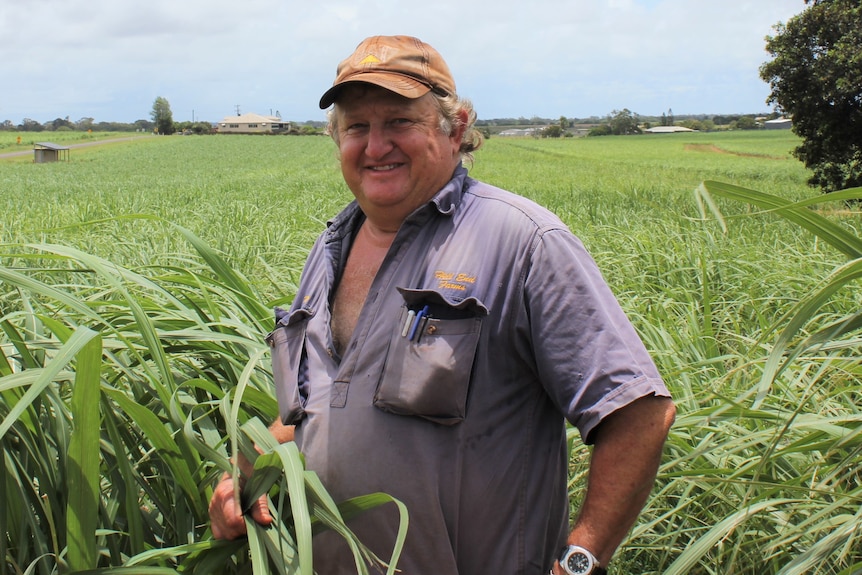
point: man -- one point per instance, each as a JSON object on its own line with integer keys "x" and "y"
{"x": 442, "y": 330}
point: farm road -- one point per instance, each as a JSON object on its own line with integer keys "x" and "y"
{"x": 80, "y": 145}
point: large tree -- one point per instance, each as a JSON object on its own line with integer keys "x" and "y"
{"x": 816, "y": 79}
{"x": 624, "y": 122}
{"x": 162, "y": 116}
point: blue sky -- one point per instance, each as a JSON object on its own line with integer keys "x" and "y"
{"x": 110, "y": 59}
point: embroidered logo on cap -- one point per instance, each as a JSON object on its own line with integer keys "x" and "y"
{"x": 370, "y": 59}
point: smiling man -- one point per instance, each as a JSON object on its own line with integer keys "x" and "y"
{"x": 443, "y": 332}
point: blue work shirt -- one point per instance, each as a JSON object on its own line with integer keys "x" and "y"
{"x": 460, "y": 414}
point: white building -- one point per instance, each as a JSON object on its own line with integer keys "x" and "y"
{"x": 252, "y": 124}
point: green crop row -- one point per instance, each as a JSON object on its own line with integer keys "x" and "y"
{"x": 144, "y": 272}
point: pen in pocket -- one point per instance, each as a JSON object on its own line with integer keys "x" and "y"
{"x": 417, "y": 320}
{"x": 410, "y": 315}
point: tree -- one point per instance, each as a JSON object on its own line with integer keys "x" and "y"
{"x": 816, "y": 79}
{"x": 624, "y": 122}
{"x": 724, "y": 120}
{"x": 552, "y": 131}
{"x": 698, "y": 125}
{"x": 162, "y": 116}
{"x": 28, "y": 125}
{"x": 85, "y": 124}
{"x": 600, "y": 130}
{"x": 744, "y": 123}
{"x": 144, "y": 125}
{"x": 60, "y": 123}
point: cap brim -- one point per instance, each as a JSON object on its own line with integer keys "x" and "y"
{"x": 402, "y": 85}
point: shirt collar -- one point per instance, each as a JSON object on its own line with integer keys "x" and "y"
{"x": 449, "y": 197}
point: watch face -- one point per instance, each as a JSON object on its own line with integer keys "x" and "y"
{"x": 578, "y": 563}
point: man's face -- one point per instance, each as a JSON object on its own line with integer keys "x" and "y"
{"x": 394, "y": 157}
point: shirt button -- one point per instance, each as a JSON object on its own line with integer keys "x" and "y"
{"x": 330, "y": 352}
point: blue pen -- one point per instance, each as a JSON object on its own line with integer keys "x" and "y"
{"x": 416, "y": 321}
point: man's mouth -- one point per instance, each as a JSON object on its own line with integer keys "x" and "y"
{"x": 385, "y": 168}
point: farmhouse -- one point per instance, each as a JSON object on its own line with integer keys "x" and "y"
{"x": 252, "y": 124}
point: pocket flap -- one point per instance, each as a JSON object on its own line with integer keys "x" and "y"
{"x": 469, "y": 306}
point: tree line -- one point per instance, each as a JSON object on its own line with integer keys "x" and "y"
{"x": 625, "y": 122}
{"x": 161, "y": 121}
{"x": 82, "y": 125}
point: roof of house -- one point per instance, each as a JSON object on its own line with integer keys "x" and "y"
{"x": 250, "y": 119}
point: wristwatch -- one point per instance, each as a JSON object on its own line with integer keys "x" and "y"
{"x": 576, "y": 560}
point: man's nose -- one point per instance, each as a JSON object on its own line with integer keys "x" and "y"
{"x": 379, "y": 142}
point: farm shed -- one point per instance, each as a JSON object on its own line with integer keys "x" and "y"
{"x": 667, "y": 130}
{"x": 49, "y": 152}
{"x": 518, "y": 132}
{"x": 252, "y": 124}
{"x": 778, "y": 124}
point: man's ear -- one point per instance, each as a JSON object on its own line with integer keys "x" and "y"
{"x": 459, "y": 126}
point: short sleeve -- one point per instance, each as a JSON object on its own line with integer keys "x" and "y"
{"x": 589, "y": 357}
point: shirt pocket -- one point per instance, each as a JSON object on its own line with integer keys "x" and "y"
{"x": 428, "y": 375}
{"x": 287, "y": 347}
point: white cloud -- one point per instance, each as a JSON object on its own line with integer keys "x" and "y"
{"x": 109, "y": 59}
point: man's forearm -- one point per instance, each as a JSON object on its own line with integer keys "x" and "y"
{"x": 623, "y": 467}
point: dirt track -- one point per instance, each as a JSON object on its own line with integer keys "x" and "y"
{"x": 79, "y": 145}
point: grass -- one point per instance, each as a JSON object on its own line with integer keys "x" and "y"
{"x": 23, "y": 141}
{"x": 170, "y": 251}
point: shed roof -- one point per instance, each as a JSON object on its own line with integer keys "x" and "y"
{"x": 667, "y": 129}
{"x": 51, "y": 146}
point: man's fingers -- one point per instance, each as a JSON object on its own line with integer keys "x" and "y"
{"x": 226, "y": 520}
{"x": 260, "y": 511}
{"x": 226, "y": 517}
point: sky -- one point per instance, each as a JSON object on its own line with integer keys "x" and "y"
{"x": 110, "y": 59}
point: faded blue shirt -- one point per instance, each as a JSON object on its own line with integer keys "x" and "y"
{"x": 460, "y": 414}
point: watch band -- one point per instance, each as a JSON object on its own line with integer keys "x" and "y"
{"x": 596, "y": 571}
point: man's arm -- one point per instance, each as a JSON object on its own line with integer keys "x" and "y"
{"x": 623, "y": 467}
{"x": 225, "y": 509}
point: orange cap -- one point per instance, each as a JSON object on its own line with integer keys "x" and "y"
{"x": 401, "y": 64}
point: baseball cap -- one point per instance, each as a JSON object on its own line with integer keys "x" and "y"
{"x": 400, "y": 64}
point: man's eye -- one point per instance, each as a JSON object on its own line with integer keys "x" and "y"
{"x": 401, "y": 122}
{"x": 354, "y": 128}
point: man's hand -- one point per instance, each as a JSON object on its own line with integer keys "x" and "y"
{"x": 226, "y": 518}
{"x": 225, "y": 509}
